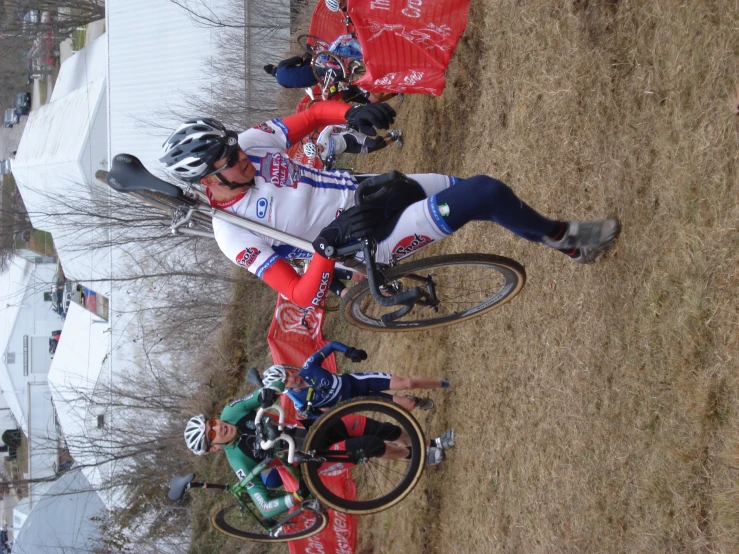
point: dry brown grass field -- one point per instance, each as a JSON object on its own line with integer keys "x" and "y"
{"x": 599, "y": 410}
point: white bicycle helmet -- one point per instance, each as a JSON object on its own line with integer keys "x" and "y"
{"x": 325, "y": 140}
{"x": 309, "y": 149}
{"x": 273, "y": 374}
{"x": 195, "y": 435}
{"x": 190, "y": 152}
{"x": 332, "y": 5}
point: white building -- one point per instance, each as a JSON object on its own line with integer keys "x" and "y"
{"x": 26, "y": 323}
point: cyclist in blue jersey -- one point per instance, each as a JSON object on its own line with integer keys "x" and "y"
{"x": 313, "y": 387}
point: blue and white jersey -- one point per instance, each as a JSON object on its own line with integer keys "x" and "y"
{"x": 325, "y": 388}
{"x": 288, "y": 197}
{"x": 301, "y": 201}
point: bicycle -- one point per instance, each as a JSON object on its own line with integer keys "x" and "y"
{"x": 396, "y": 297}
{"x": 337, "y": 67}
{"x": 376, "y": 484}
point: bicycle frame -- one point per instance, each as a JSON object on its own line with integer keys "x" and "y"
{"x": 406, "y": 298}
{"x": 181, "y": 225}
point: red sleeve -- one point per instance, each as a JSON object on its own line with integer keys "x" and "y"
{"x": 307, "y": 290}
{"x": 319, "y": 115}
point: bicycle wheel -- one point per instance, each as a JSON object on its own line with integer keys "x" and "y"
{"x": 467, "y": 285}
{"x": 169, "y": 204}
{"x": 377, "y": 483}
{"x": 233, "y": 521}
{"x": 324, "y": 62}
{"x": 312, "y": 43}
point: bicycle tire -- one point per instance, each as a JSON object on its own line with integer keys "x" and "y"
{"x": 168, "y": 204}
{"x": 336, "y": 60}
{"x": 219, "y": 522}
{"x": 317, "y": 45}
{"x": 408, "y": 470}
{"x": 361, "y": 310}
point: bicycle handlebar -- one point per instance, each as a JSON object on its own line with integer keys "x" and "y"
{"x": 272, "y": 438}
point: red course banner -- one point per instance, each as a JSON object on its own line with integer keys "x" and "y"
{"x": 407, "y": 44}
{"x": 293, "y": 337}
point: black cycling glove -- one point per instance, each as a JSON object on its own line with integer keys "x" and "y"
{"x": 366, "y": 118}
{"x": 356, "y": 222}
{"x": 355, "y": 354}
{"x": 267, "y": 397}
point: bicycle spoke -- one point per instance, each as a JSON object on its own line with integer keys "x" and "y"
{"x": 385, "y": 472}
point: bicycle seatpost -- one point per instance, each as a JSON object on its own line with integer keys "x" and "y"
{"x": 178, "y": 486}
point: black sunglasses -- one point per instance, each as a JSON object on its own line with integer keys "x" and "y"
{"x": 232, "y": 160}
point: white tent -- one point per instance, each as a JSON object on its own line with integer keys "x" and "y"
{"x": 80, "y": 362}
{"x": 63, "y": 144}
{"x": 61, "y": 521}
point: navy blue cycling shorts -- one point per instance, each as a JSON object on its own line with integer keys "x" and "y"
{"x": 366, "y": 384}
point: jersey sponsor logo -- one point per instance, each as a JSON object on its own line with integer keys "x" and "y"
{"x": 249, "y": 485}
{"x": 240, "y": 474}
{"x": 265, "y": 127}
{"x": 279, "y": 172}
{"x": 262, "y": 205}
{"x": 247, "y": 257}
{"x": 322, "y": 288}
{"x": 263, "y": 504}
{"x": 409, "y": 245}
{"x": 338, "y": 212}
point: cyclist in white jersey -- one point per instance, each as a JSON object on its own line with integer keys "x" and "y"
{"x": 251, "y": 175}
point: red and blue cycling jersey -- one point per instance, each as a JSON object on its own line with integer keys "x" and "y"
{"x": 301, "y": 201}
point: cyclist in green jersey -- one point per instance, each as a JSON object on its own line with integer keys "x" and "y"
{"x": 235, "y": 434}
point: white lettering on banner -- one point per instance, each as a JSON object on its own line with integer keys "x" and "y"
{"x": 412, "y": 8}
{"x": 315, "y": 546}
{"x": 380, "y": 5}
{"x": 339, "y": 521}
{"x": 290, "y": 319}
{"x": 343, "y": 533}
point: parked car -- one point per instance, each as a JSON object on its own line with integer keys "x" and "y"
{"x": 22, "y": 103}
{"x": 11, "y": 118}
{"x": 5, "y": 167}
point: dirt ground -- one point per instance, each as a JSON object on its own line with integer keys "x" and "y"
{"x": 597, "y": 412}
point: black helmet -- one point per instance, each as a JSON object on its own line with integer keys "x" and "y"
{"x": 269, "y": 68}
{"x": 190, "y": 152}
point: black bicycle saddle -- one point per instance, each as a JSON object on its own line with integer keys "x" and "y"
{"x": 128, "y": 174}
{"x": 178, "y": 486}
